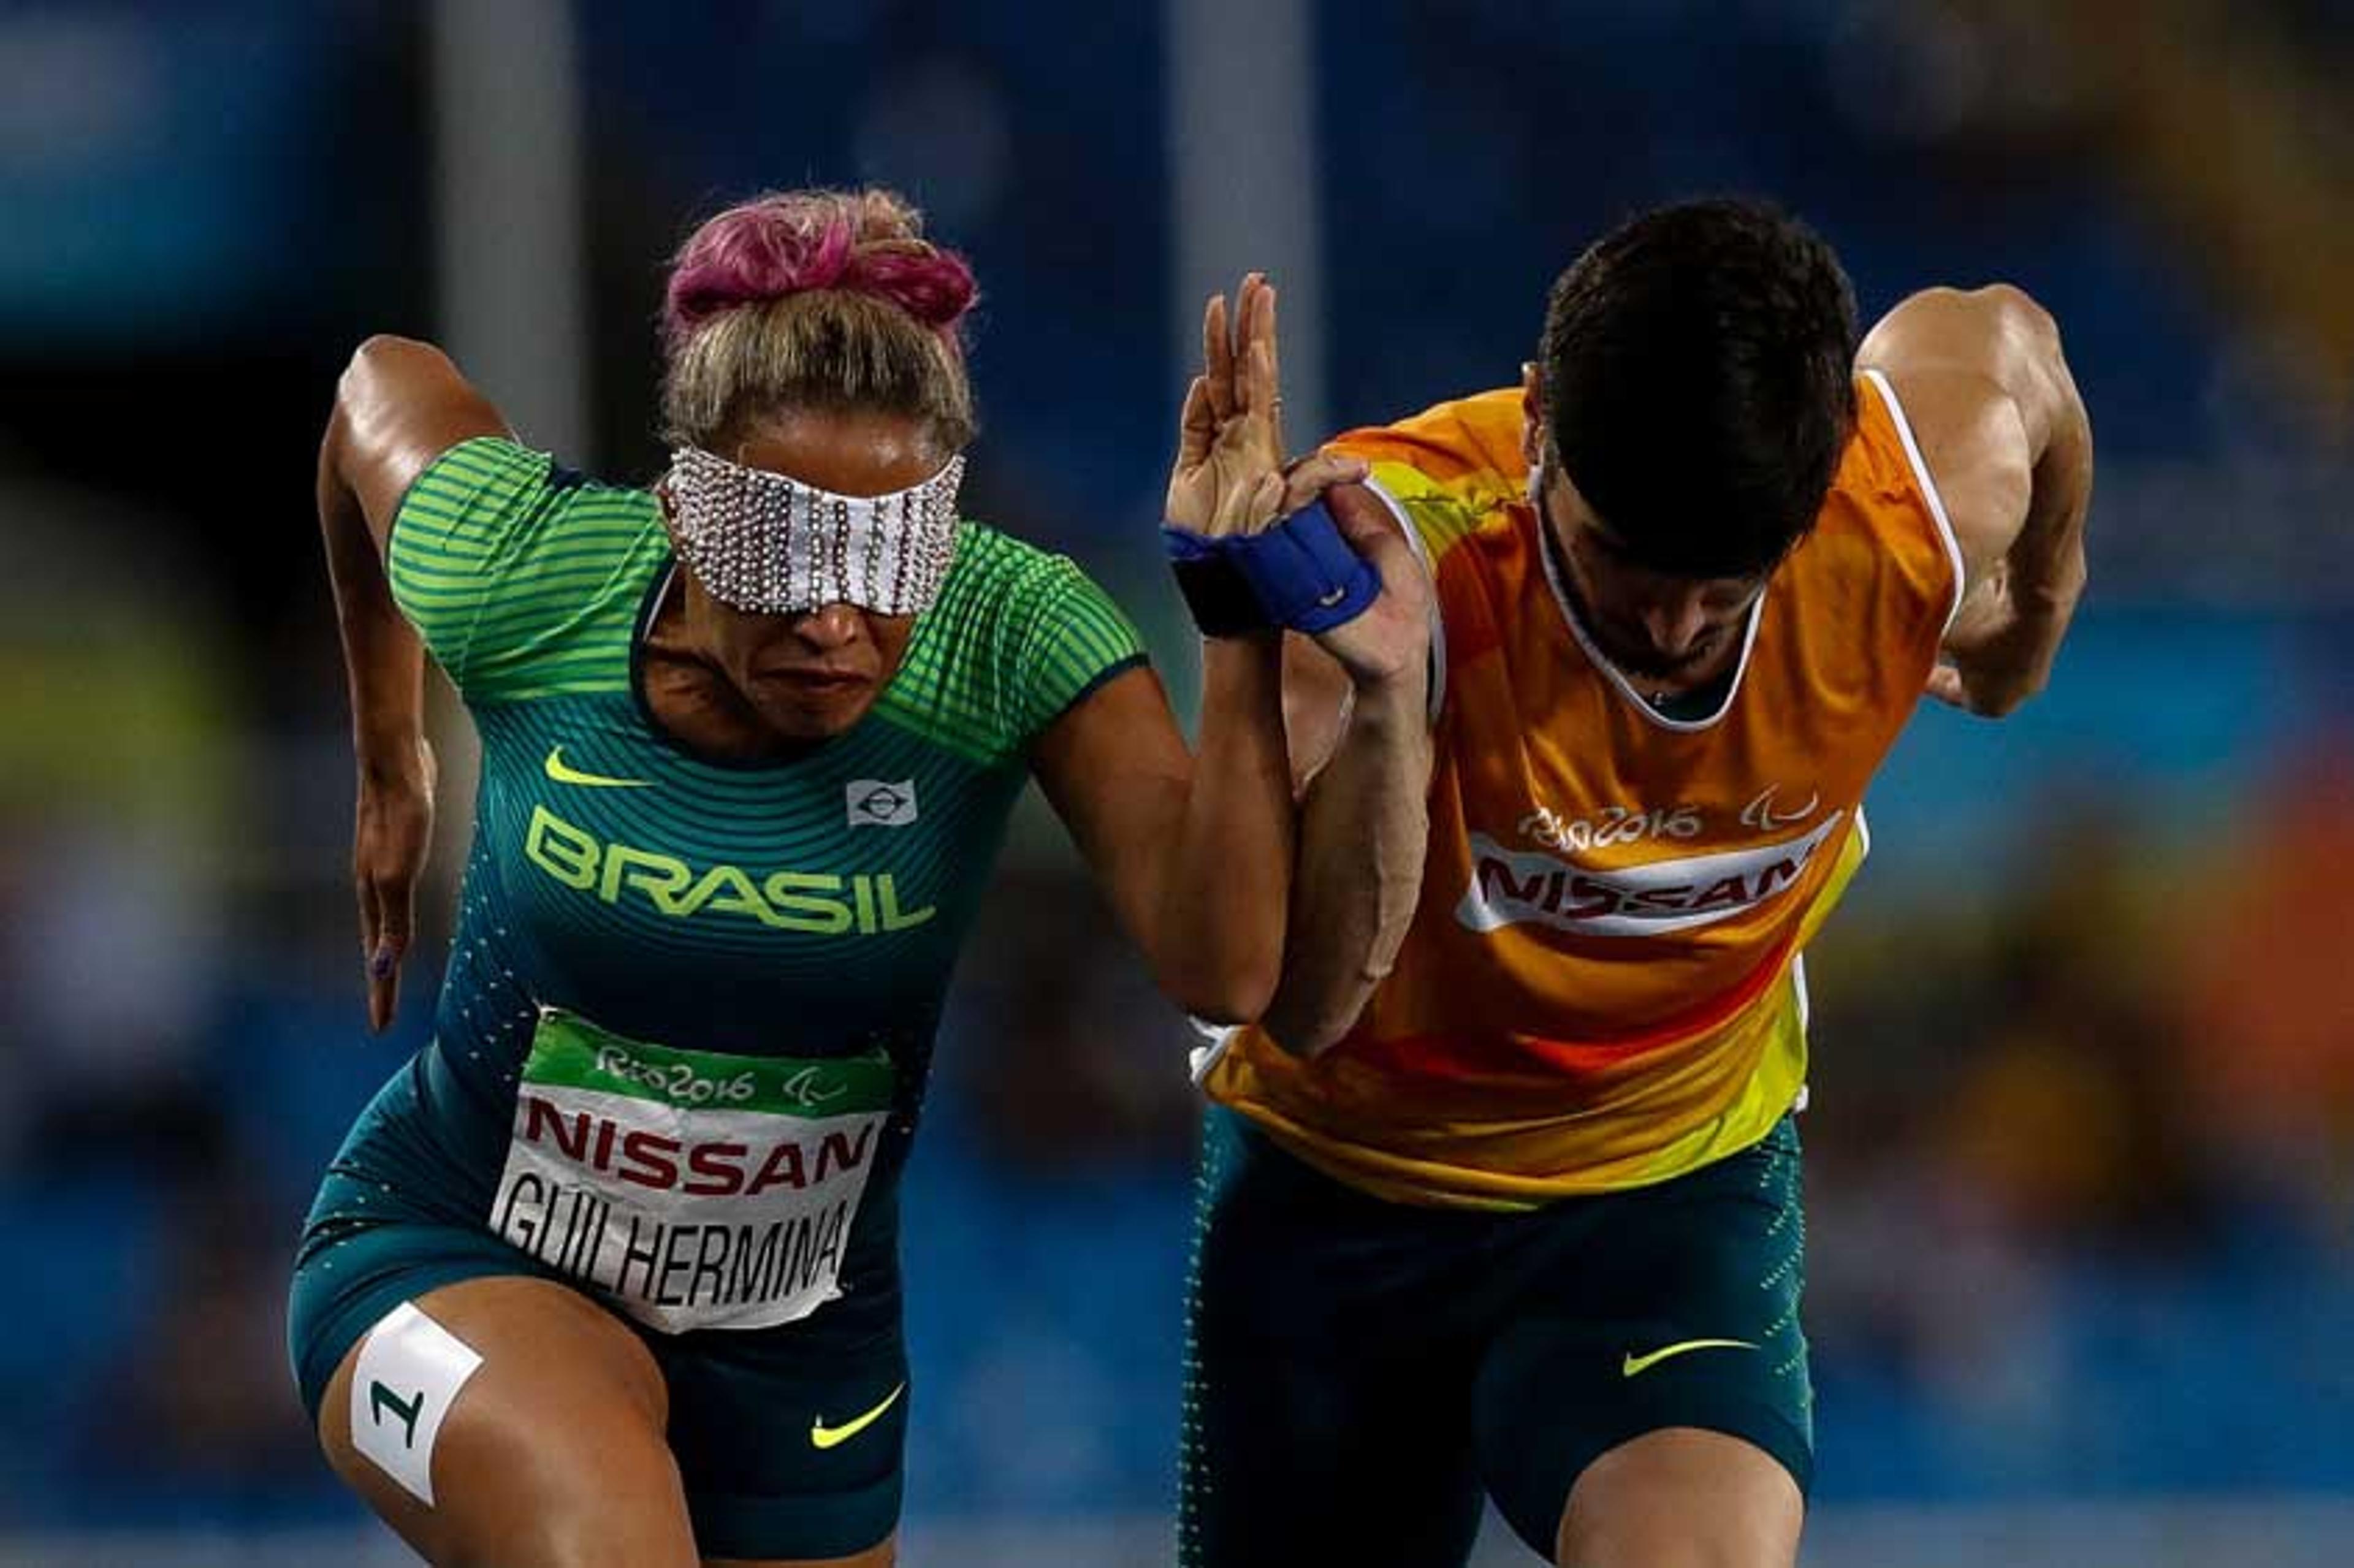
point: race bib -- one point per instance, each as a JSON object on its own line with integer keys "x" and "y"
{"x": 698, "y": 1190}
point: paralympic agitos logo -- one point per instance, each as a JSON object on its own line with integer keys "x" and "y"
{"x": 1509, "y": 887}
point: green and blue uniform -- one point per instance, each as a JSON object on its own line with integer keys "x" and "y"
{"x": 1360, "y": 1372}
{"x": 683, "y": 1037}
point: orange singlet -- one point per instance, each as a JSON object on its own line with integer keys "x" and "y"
{"x": 1601, "y": 987}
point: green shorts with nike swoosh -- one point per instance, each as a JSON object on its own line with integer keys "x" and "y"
{"x": 790, "y": 1440}
{"x": 1360, "y": 1373}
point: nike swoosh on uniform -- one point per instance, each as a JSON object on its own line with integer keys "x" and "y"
{"x": 1634, "y": 1365}
{"x": 557, "y": 770}
{"x": 824, "y": 1436}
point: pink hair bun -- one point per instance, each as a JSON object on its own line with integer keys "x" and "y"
{"x": 863, "y": 242}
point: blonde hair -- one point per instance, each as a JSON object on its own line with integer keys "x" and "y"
{"x": 815, "y": 299}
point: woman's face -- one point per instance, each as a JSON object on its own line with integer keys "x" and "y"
{"x": 810, "y": 674}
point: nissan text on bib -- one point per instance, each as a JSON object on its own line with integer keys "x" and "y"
{"x": 697, "y": 1190}
{"x": 1508, "y": 887}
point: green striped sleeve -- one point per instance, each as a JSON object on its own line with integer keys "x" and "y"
{"x": 521, "y": 577}
{"x": 1076, "y": 639}
{"x": 1017, "y": 636}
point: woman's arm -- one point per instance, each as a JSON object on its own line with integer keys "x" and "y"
{"x": 1198, "y": 852}
{"x": 400, "y": 405}
{"x": 1193, "y": 850}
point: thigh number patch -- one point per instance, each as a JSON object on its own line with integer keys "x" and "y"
{"x": 409, "y": 1373}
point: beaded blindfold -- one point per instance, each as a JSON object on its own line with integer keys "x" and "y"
{"x": 760, "y": 542}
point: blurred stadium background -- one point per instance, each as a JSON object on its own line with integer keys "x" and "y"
{"x": 2082, "y": 1135}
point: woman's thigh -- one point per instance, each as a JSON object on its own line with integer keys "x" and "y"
{"x": 510, "y": 1421}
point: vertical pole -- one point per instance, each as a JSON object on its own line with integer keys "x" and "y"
{"x": 1243, "y": 159}
{"x": 510, "y": 260}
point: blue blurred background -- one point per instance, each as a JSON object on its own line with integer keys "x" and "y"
{"x": 2082, "y": 1130}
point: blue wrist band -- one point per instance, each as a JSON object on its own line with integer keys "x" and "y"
{"x": 1216, "y": 593}
{"x": 1304, "y": 574}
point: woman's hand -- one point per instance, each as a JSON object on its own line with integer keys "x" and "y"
{"x": 1230, "y": 478}
{"x": 392, "y": 832}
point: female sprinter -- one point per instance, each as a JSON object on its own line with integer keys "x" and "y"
{"x": 608, "y": 1272}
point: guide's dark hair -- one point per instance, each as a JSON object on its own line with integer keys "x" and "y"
{"x": 1697, "y": 371}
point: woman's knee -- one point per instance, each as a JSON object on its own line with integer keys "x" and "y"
{"x": 510, "y": 1421}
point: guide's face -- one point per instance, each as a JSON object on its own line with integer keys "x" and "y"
{"x": 1653, "y": 625}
